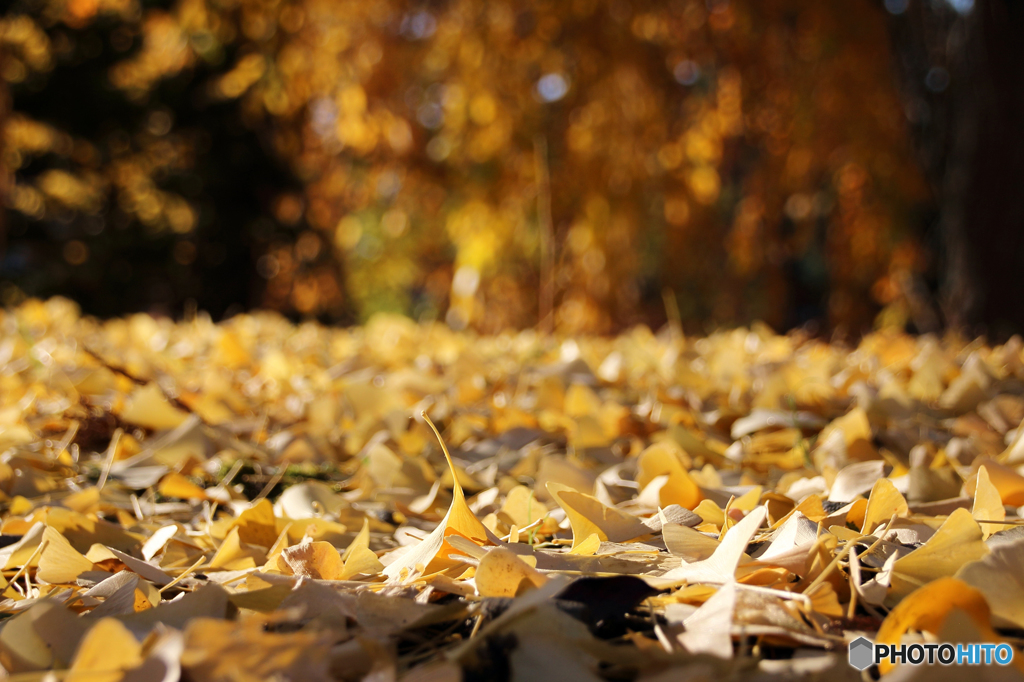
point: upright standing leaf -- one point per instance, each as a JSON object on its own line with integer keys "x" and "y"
{"x": 432, "y": 553}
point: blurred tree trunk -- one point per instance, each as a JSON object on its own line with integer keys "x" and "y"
{"x": 962, "y": 74}
{"x": 5, "y": 175}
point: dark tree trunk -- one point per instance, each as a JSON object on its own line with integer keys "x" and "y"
{"x": 994, "y": 206}
{"x": 5, "y": 174}
{"x": 970, "y": 136}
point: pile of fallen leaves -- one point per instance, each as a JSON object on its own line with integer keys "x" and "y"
{"x": 259, "y": 500}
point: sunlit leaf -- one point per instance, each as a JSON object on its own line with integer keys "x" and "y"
{"x": 430, "y": 555}
{"x": 927, "y": 607}
{"x": 957, "y": 541}
{"x": 590, "y": 517}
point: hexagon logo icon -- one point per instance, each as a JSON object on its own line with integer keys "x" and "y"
{"x": 862, "y": 653}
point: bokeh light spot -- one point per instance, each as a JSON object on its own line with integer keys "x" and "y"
{"x": 686, "y": 72}
{"x": 552, "y": 87}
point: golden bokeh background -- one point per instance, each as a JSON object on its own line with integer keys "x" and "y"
{"x": 584, "y": 164}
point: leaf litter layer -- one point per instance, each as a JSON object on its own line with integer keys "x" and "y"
{"x": 259, "y": 500}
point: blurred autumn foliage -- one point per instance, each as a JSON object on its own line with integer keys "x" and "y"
{"x": 493, "y": 164}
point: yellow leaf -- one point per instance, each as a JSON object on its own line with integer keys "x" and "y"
{"x": 98, "y": 553}
{"x": 825, "y": 601}
{"x": 812, "y": 508}
{"x": 665, "y": 458}
{"x": 855, "y": 513}
{"x": 522, "y": 506}
{"x": 148, "y": 407}
{"x": 883, "y": 502}
{"x": 316, "y": 560}
{"x": 316, "y": 529}
{"x": 588, "y": 516}
{"x": 988, "y": 504}
{"x": 927, "y": 607}
{"x": 846, "y": 439}
{"x": 588, "y": 432}
{"x": 229, "y": 351}
{"x": 83, "y": 501}
{"x": 176, "y": 485}
{"x": 957, "y": 541}
{"x": 146, "y": 597}
{"x": 1008, "y": 482}
{"x": 262, "y": 599}
{"x": 687, "y": 543}
{"x": 257, "y": 525}
{"x": 19, "y": 506}
{"x": 560, "y": 469}
{"x": 502, "y": 574}
{"x": 217, "y": 649}
{"x": 232, "y": 556}
{"x": 588, "y": 547}
{"x": 581, "y": 401}
{"x": 59, "y": 562}
{"x": 107, "y": 651}
{"x": 23, "y": 649}
{"x": 748, "y": 500}
{"x": 431, "y": 554}
{"x": 359, "y": 559}
{"x": 23, "y": 551}
{"x": 711, "y": 513}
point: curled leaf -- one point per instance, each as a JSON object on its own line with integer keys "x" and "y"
{"x": 431, "y": 554}
{"x": 927, "y": 608}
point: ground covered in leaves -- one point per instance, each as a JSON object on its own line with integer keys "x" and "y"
{"x": 258, "y": 500}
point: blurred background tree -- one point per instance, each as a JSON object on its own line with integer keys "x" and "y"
{"x": 960, "y": 72}
{"x": 582, "y": 164}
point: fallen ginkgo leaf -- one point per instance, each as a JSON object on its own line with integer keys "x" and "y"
{"x": 430, "y": 554}
{"x": 589, "y": 517}
{"x": 501, "y": 573}
{"x": 721, "y": 566}
{"x": 958, "y": 541}
{"x": 927, "y": 607}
